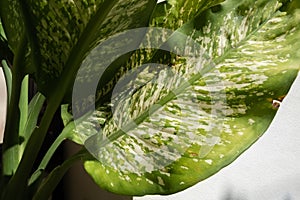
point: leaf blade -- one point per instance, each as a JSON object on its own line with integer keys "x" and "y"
{"x": 269, "y": 77}
{"x": 80, "y": 24}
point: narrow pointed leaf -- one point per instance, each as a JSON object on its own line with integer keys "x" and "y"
{"x": 34, "y": 109}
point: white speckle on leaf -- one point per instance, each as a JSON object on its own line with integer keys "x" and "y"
{"x": 184, "y": 167}
{"x": 165, "y": 173}
{"x": 127, "y": 178}
{"x": 251, "y": 121}
{"x": 275, "y": 20}
{"x": 227, "y": 128}
{"x": 209, "y": 161}
{"x": 241, "y": 133}
{"x": 259, "y": 94}
{"x": 149, "y": 181}
{"x": 160, "y": 181}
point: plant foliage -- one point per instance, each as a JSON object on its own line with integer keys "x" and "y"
{"x": 148, "y": 129}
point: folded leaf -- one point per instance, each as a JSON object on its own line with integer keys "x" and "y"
{"x": 188, "y": 121}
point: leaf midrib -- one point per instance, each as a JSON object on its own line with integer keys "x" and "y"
{"x": 133, "y": 124}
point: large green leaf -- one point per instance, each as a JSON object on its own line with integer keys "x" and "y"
{"x": 94, "y": 65}
{"x": 60, "y": 33}
{"x": 160, "y": 17}
{"x": 186, "y": 122}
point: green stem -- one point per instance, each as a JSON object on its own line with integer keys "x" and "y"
{"x": 19, "y": 180}
{"x": 10, "y": 155}
{"x": 51, "y": 151}
{"x": 23, "y": 105}
{"x": 45, "y": 190}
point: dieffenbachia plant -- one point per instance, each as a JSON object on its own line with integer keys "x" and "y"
{"x": 154, "y": 129}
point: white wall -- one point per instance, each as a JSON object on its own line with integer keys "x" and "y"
{"x": 269, "y": 170}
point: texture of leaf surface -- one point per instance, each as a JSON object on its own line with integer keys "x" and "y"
{"x": 173, "y": 14}
{"x": 189, "y": 121}
{"x": 64, "y": 31}
{"x": 170, "y": 15}
{"x": 10, "y": 13}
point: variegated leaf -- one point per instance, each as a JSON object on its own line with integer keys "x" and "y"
{"x": 167, "y": 17}
{"x": 62, "y": 32}
{"x": 187, "y": 122}
{"x": 10, "y": 13}
{"x": 173, "y": 14}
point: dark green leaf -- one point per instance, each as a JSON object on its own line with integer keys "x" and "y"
{"x": 66, "y": 30}
{"x": 10, "y": 13}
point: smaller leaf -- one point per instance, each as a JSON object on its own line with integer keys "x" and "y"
{"x": 2, "y": 34}
{"x": 65, "y": 114}
{"x": 34, "y": 109}
{"x": 23, "y": 106}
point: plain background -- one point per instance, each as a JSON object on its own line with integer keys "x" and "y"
{"x": 268, "y": 170}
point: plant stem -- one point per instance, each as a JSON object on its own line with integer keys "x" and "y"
{"x": 56, "y": 175}
{"x": 51, "y": 151}
{"x": 10, "y": 157}
{"x": 20, "y": 179}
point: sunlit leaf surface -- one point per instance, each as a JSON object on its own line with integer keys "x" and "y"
{"x": 188, "y": 121}
{"x": 170, "y": 126}
{"x": 173, "y": 14}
